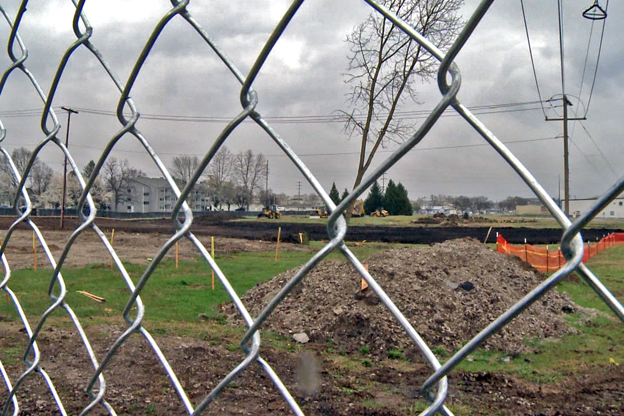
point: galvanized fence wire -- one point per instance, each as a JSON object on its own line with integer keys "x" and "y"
{"x": 434, "y": 389}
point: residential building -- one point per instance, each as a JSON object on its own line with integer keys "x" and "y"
{"x": 155, "y": 195}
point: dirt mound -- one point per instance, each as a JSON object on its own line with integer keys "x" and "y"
{"x": 448, "y": 292}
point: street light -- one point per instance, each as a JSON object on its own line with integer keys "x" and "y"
{"x": 69, "y": 113}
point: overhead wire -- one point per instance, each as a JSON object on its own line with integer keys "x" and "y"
{"x": 597, "y": 60}
{"x": 561, "y": 45}
{"x": 461, "y": 146}
{"x": 587, "y": 159}
{"x": 599, "y": 150}
{"x": 330, "y": 118}
{"x": 526, "y": 28}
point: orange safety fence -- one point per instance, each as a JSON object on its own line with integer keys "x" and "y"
{"x": 546, "y": 260}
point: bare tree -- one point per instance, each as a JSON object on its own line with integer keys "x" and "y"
{"x": 183, "y": 167}
{"x": 219, "y": 173}
{"x": 384, "y": 66}
{"x": 117, "y": 176}
{"x": 53, "y": 195}
{"x": 41, "y": 177}
{"x": 20, "y": 157}
{"x": 250, "y": 170}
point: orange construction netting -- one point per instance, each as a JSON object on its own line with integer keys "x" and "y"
{"x": 546, "y": 260}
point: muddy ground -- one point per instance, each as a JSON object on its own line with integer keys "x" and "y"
{"x": 266, "y": 230}
{"x": 330, "y": 383}
{"x": 138, "y": 385}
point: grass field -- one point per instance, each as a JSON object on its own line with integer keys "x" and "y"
{"x": 180, "y": 295}
{"x": 407, "y": 221}
{"x": 175, "y": 298}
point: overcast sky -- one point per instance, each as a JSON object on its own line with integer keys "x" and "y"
{"x": 305, "y": 76}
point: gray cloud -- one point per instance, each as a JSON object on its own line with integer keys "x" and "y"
{"x": 303, "y": 76}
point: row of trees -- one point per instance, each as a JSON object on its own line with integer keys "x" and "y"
{"x": 394, "y": 200}
{"x": 230, "y": 179}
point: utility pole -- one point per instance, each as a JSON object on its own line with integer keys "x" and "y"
{"x": 383, "y": 182}
{"x": 266, "y": 188}
{"x": 69, "y": 113}
{"x": 299, "y": 190}
{"x": 566, "y": 156}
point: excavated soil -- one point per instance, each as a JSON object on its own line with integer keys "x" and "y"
{"x": 449, "y": 292}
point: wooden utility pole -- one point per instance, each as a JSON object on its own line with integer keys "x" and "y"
{"x": 566, "y": 162}
{"x": 69, "y": 113}
{"x": 566, "y": 158}
{"x": 266, "y": 187}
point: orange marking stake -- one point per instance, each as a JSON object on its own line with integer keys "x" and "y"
{"x": 35, "y": 250}
{"x": 364, "y": 285}
{"x": 279, "y": 233}
{"x": 176, "y": 254}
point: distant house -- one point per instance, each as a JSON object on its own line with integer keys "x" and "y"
{"x": 440, "y": 209}
{"x": 155, "y": 195}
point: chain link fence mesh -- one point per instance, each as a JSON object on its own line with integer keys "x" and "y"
{"x": 436, "y": 386}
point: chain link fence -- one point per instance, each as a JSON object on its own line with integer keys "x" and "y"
{"x": 435, "y": 387}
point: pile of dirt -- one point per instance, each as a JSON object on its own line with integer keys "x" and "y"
{"x": 449, "y": 292}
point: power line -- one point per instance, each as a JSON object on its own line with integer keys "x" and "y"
{"x": 331, "y": 118}
{"x": 597, "y": 60}
{"x": 587, "y": 159}
{"x": 311, "y": 119}
{"x": 561, "y": 54}
{"x": 462, "y": 146}
{"x": 603, "y": 155}
{"x": 526, "y": 28}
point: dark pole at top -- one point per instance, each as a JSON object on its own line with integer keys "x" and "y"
{"x": 69, "y": 113}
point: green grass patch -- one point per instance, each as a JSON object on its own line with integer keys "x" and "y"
{"x": 597, "y": 345}
{"x": 170, "y": 295}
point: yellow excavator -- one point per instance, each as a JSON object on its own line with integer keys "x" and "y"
{"x": 319, "y": 212}
{"x": 270, "y": 212}
{"x": 379, "y": 213}
{"x": 358, "y": 209}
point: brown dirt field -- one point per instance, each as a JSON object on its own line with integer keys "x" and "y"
{"x": 130, "y": 247}
{"x": 137, "y": 384}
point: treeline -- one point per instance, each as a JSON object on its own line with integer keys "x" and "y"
{"x": 230, "y": 179}
{"x": 475, "y": 203}
{"x": 394, "y": 199}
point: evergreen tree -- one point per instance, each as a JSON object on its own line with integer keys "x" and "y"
{"x": 405, "y": 205}
{"x": 344, "y": 195}
{"x": 391, "y": 198}
{"x": 374, "y": 200}
{"x": 396, "y": 201}
{"x": 334, "y": 194}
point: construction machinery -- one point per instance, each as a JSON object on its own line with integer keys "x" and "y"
{"x": 270, "y": 212}
{"x": 379, "y": 213}
{"x": 358, "y": 209}
{"x": 319, "y": 212}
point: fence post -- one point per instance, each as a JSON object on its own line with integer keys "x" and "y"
{"x": 547, "y": 255}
